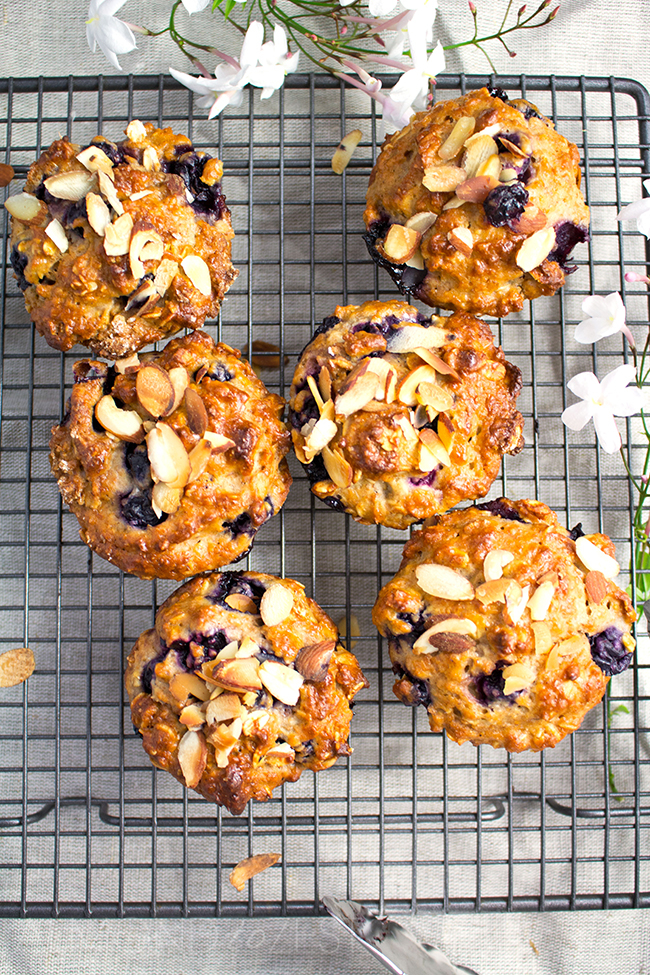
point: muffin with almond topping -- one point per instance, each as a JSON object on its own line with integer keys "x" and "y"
{"x": 476, "y": 205}
{"x": 172, "y": 461}
{"x": 118, "y": 245}
{"x": 504, "y": 625}
{"x": 397, "y": 416}
{"x": 240, "y": 686}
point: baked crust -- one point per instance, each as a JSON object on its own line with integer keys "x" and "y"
{"x": 486, "y": 279}
{"x": 390, "y": 483}
{"x": 107, "y": 481}
{"x": 88, "y": 296}
{"x": 460, "y": 677}
{"x": 192, "y": 629}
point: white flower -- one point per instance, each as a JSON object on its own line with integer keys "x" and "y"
{"x": 606, "y": 317}
{"x": 194, "y": 6}
{"x": 602, "y": 401}
{"x": 413, "y": 85}
{"x": 380, "y": 8}
{"x": 102, "y": 27}
{"x": 639, "y": 211}
{"x": 275, "y": 63}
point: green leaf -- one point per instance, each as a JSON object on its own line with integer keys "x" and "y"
{"x": 229, "y": 5}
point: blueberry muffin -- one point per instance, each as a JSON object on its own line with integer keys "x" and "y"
{"x": 119, "y": 245}
{"x": 172, "y": 461}
{"x": 397, "y": 416}
{"x": 241, "y": 685}
{"x": 504, "y": 625}
{"x": 476, "y": 205}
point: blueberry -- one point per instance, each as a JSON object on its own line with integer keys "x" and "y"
{"x": 488, "y": 688}
{"x": 495, "y": 92}
{"x": 84, "y": 372}
{"x": 210, "y": 644}
{"x": 427, "y": 480}
{"x": 137, "y": 511}
{"x": 241, "y": 525}
{"x": 220, "y": 373}
{"x": 19, "y": 262}
{"x": 608, "y": 652}
{"x": 567, "y": 235}
{"x": 576, "y": 532}
{"x": 209, "y": 202}
{"x": 505, "y": 203}
{"x": 114, "y": 153}
{"x": 328, "y": 323}
{"x": 502, "y": 508}
{"x": 236, "y": 582}
{"x": 411, "y": 690}
{"x": 308, "y": 412}
{"x": 137, "y": 462}
{"x": 149, "y": 669}
{"x": 73, "y": 213}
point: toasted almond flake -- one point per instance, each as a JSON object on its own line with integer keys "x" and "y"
{"x": 543, "y": 638}
{"x": 254, "y": 720}
{"x": 150, "y": 160}
{"x": 401, "y": 243}
{"x": 23, "y": 206}
{"x": 57, "y": 235}
{"x": 192, "y": 757}
{"x": 356, "y": 394}
{"x": 198, "y": 272}
{"x": 390, "y": 393}
{"x": 516, "y": 600}
{"x": 154, "y": 389}
{"x": 135, "y": 131}
{"x": 440, "y": 580}
{"x": 123, "y": 365}
{"x": 427, "y": 460}
{"x": 507, "y": 175}
{"x": 250, "y": 867}
{"x": 282, "y": 682}
{"x": 321, "y": 434}
{"x": 313, "y": 661}
{"x": 125, "y": 424}
{"x": 445, "y": 432}
{"x": 248, "y": 647}
{"x": 222, "y": 754}
{"x": 518, "y": 677}
{"x": 276, "y": 604}
{"x": 513, "y": 147}
{"x": 438, "y": 364}
{"x": 242, "y": 603}
{"x": 355, "y": 630}
{"x": 461, "y": 239}
{"x": 477, "y": 189}
{"x": 325, "y": 383}
{"x": 192, "y": 716}
{"x": 7, "y": 173}
{"x": 184, "y": 686}
{"x": 411, "y": 337}
{"x": 143, "y": 299}
{"x": 165, "y": 499}
{"x": 433, "y": 443}
{"x": 594, "y": 559}
{"x": 407, "y": 389}
{"x": 197, "y": 415}
{"x": 576, "y": 644}
{"x": 421, "y": 221}
{"x": 438, "y": 397}
{"x": 94, "y": 159}
{"x": 99, "y": 216}
{"x": 343, "y": 153}
{"x": 240, "y": 673}
{"x": 553, "y": 660}
{"x": 494, "y": 563}
{"x": 180, "y": 381}
{"x": 282, "y": 751}
{"x": 16, "y": 666}
{"x": 72, "y": 185}
{"x": 218, "y": 442}
{"x": 540, "y": 601}
{"x": 145, "y": 245}
{"x": 453, "y": 203}
{"x": 416, "y": 261}
{"x": 490, "y": 167}
{"x": 479, "y": 147}
{"x": 315, "y": 392}
{"x": 117, "y": 236}
{"x": 443, "y": 179}
{"x": 224, "y": 708}
{"x": 164, "y": 276}
{"x": 140, "y": 195}
{"x": 536, "y": 249}
{"x": 596, "y": 586}
{"x": 226, "y": 653}
{"x": 339, "y": 470}
{"x": 456, "y": 138}
{"x": 407, "y": 428}
{"x": 493, "y": 591}
{"x": 168, "y": 456}
{"x": 531, "y": 220}
{"x": 107, "y": 189}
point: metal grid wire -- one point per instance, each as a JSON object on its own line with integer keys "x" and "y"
{"x": 410, "y": 821}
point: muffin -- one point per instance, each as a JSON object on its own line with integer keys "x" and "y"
{"x": 241, "y": 685}
{"x": 172, "y": 461}
{"x": 397, "y": 416}
{"x": 504, "y": 625}
{"x": 119, "y": 245}
{"x": 476, "y": 205}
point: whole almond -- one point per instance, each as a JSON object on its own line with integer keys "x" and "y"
{"x": 313, "y": 661}
{"x": 476, "y": 189}
{"x": 250, "y": 867}
{"x": 596, "y": 586}
{"x": 450, "y": 642}
{"x": 16, "y": 666}
{"x": 154, "y": 389}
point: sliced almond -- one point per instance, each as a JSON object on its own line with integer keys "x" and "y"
{"x": 315, "y": 392}
{"x": 408, "y": 338}
{"x": 433, "y": 443}
{"x": 507, "y": 175}
{"x": 23, "y": 206}
{"x": 192, "y": 757}
{"x": 276, "y": 604}
{"x": 125, "y": 424}
{"x": 69, "y": 186}
{"x": 218, "y": 442}
{"x": 164, "y": 276}
{"x": 321, "y": 434}
{"x": 107, "y": 189}
{"x": 142, "y": 299}
{"x": 339, "y": 470}
{"x": 167, "y": 455}
{"x": 122, "y": 366}
{"x": 184, "y": 686}
{"x": 140, "y": 196}
{"x": 282, "y": 682}
{"x": 313, "y": 661}
{"x": 536, "y": 249}
{"x": 154, "y": 389}
{"x": 165, "y": 499}
{"x": 343, "y": 153}
{"x": 407, "y": 428}
{"x": 445, "y": 431}
{"x": 248, "y": 647}
{"x": 180, "y": 381}
{"x": 493, "y": 591}
{"x": 94, "y": 159}
{"x": 57, "y": 235}
{"x": 242, "y": 603}
{"x": 495, "y": 562}
{"x": 476, "y": 189}
{"x": 16, "y": 666}
{"x": 117, "y": 236}
{"x": 241, "y": 673}
{"x": 461, "y": 239}
{"x": 456, "y": 138}
{"x": 407, "y": 389}
{"x": 282, "y": 751}
{"x": 573, "y": 645}
{"x": 254, "y": 720}
{"x": 427, "y": 461}
{"x": 543, "y": 638}
{"x": 192, "y": 717}
{"x": 421, "y": 222}
{"x": 224, "y": 708}
{"x": 440, "y": 580}
{"x": 325, "y": 383}
{"x": 198, "y": 272}
{"x": 479, "y": 147}
{"x": 251, "y": 866}
{"x": 516, "y": 600}
{"x": 490, "y": 167}
{"x": 443, "y": 179}
{"x": 453, "y": 203}
{"x": 197, "y": 415}
{"x": 596, "y": 586}
{"x": 356, "y": 394}
{"x": 438, "y": 397}
{"x": 540, "y": 601}
{"x": 594, "y": 559}
{"x": 135, "y": 131}
{"x": 150, "y": 160}
{"x": 145, "y": 245}
{"x": 438, "y": 364}
{"x": 99, "y": 216}
{"x": 456, "y": 625}
{"x": 199, "y": 458}
{"x": 517, "y": 677}
{"x": 513, "y": 147}
{"x": 401, "y": 243}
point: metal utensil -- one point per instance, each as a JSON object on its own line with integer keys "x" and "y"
{"x": 390, "y": 943}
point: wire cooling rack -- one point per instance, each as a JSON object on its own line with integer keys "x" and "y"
{"x": 410, "y": 821}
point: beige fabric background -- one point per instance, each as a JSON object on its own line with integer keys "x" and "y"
{"x": 591, "y": 37}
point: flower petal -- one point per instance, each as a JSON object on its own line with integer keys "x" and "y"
{"x": 606, "y": 430}
{"x": 585, "y": 385}
{"x": 250, "y": 49}
{"x": 577, "y": 416}
{"x": 614, "y": 383}
{"x": 629, "y": 402}
{"x": 634, "y": 210}
{"x": 593, "y": 329}
{"x": 202, "y": 86}
{"x": 194, "y": 6}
